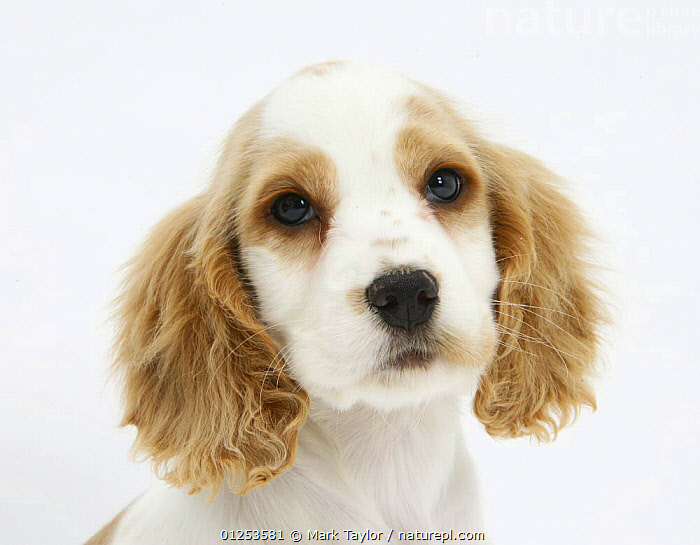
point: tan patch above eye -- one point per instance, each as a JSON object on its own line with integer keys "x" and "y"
{"x": 283, "y": 166}
{"x": 427, "y": 143}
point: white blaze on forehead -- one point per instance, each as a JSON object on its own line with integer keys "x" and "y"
{"x": 352, "y": 112}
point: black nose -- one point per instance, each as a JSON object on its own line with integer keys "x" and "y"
{"x": 404, "y": 299}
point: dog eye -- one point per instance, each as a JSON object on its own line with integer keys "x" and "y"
{"x": 292, "y": 209}
{"x": 444, "y": 185}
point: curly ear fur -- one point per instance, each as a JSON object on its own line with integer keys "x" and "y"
{"x": 203, "y": 382}
{"x": 547, "y": 309}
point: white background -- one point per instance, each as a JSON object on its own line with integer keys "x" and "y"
{"x": 112, "y": 113}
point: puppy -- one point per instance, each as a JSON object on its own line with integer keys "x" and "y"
{"x": 295, "y": 342}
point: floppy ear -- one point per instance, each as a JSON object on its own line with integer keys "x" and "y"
{"x": 203, "y": 381}
{"x": 547, "y": 309}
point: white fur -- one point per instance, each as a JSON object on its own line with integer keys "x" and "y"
{"x": 405, "y": 470}
{"x": 374, "y": 454}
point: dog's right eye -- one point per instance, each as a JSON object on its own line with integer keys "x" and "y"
{"x": 291, "y": 209}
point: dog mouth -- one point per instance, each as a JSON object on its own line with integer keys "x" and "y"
{"x": 409, "y": 359}
{"x": 408, "y": 352}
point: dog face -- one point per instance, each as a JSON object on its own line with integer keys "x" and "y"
{"x": 382, "y": 198}
{"x": 361, "y": 242}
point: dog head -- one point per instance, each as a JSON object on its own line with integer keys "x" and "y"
{"x": 361, "y": 242}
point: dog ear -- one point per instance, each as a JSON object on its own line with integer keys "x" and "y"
{"x": 547, "y": 310}
{"x": 203, "y": 381}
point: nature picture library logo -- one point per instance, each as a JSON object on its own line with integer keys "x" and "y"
{"x": 552, "y": 20}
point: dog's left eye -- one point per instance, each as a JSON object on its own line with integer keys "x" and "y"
{"x": 444, "y": 185}
{"x": 292, "y": 209}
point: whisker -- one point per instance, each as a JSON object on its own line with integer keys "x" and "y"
{"x": 548, "y": 343}
{"x": 282, "y": 356}
{"x": 518, "y": 348}
{"x": 223, "y": 360}
{"x": 519, "y": 334}
{"x": 514, "y": 255}
{"x": 534, "y": 306}
{"x": 278, "y": 357}
{"x": 542, "y": 287}
{"x": 556, "y": 325}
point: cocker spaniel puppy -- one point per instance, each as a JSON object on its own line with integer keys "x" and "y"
{"x": 295, "y": 341}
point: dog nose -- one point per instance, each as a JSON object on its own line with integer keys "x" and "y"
{"x": 404, "y": 299}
